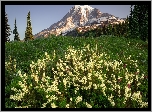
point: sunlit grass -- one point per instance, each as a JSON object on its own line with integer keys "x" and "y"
{"x": 65, "y": 72}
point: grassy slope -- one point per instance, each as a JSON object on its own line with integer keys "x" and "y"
{"x": 117, "y": 48}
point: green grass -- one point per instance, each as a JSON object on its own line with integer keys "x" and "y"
{"x": 98, "y": 55}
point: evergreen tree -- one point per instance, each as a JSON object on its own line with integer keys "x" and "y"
{"x": 138, "y": 21}
{"x": 114, "y": 30}
{"x": 98, "y": 32}
{"x": 104, "y": 30}
{"x": 135, "y": 24}
{"x": 120, "y": 29}
{"x": 16, "y": 37}
{"x": 107, "y": 30}
{"x": 7, "y": 29}
{"x": 28, "y": 32}
{"x": 143, "y": 21}
{"x": 131, "y": 25}
{"x": 110, "y": 29}
{"x": 126, "y": 27}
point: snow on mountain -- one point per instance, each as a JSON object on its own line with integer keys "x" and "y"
{"x": 78, "y": 16}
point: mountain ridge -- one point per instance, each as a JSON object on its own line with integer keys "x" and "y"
{"x": 78, "y": 16}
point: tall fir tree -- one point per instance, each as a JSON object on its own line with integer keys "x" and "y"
{"x": 131, "y": 22}
{"x": 104, "y": 30}
{"x": 138, "y": 21}
{"x": 121, "y": 29}
{"x": 114, "y": 30}
{"x": 143, "y": 21}
{"x": 117, "y": 30}
{"x": 110, "y": 29}
{"x": 16, "y": 37}
{"x": 28, "y": 32}
{"x": 7, "y": 29}
{"x": 126, "y": 27}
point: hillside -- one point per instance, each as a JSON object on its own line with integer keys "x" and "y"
{"x": 68, "y": 69}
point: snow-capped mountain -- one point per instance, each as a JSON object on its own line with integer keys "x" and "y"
{"x": 78, "y": 16}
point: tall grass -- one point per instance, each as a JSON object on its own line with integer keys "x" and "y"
{"x": 67, "y": 72}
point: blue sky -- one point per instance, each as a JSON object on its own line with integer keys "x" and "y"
{"x": 43, "y": 16}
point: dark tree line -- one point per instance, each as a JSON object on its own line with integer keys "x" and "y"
{"x": 111, "y": 29}
{"x": 119, "y": 30}
{"x": 28, "y": 32}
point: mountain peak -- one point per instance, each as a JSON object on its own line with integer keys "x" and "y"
{"x": 76, "y": 6}
{"x": 78, "y": 16}
{"x": 87, "y": 6}
{"x": 83, "y": 7}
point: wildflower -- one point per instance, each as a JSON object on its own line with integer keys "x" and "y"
{"x": 138, "y": 83}
{"x": 44, "y": 105}
{"x": 47, "y": 96}
{"x": 67, "y": 106}
{"x": 137, "y": 70}
{"x": 119, "y": 80}
{"x": 142, "y": 77}
{"x": 75, "y": 91}
{"x": 129, "y": 57}
{"x": 65, "y": 82}
{"x": 95, "y": 86}
{"x": 67, "y": 69}
{"x": 128, "y": 85}
{"x": 53, "y": 105}
{"x": 136, "y": 73}
{"x": 109, "y": 82}
{"x": 53, "y": 97}
{"x": 84, "y": 80}
{"x": 111, "y": 100}
{"x": 89, "y": 76}
{"x": 144, "y": 104}
{"x": 78, "y": 99}
{"x": 124, "y": 65}
{"x": 22, "y": 107}
{"x": 146, "y": 77}
{"x": 88, "y": 105}
{"x": 70, "y": 99}
{"x": 112, "y": 103}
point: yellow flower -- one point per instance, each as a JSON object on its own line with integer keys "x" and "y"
{"x": 95, "y": 86}
{"x": 78, "y": 99}
{"x": 67, "y": 106}
{"x": 70, "y": 99}
{"x": 53, "y": 105}
{"x": 45, "y": 53}
{"x": 88, "y": 105}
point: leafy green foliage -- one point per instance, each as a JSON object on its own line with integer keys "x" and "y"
{"x": 19, "y": 56}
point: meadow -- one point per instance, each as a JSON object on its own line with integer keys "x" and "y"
{"x": 77, "y": 72}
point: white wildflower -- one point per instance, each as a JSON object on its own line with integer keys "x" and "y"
{"x": 78, "y": 99}
{"x": 88, "y": 105}
{"x": 53, "y": 105}
{"x": 67, "y": 106}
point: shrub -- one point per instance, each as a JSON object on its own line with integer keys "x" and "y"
{"x": 83, "y": 78}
